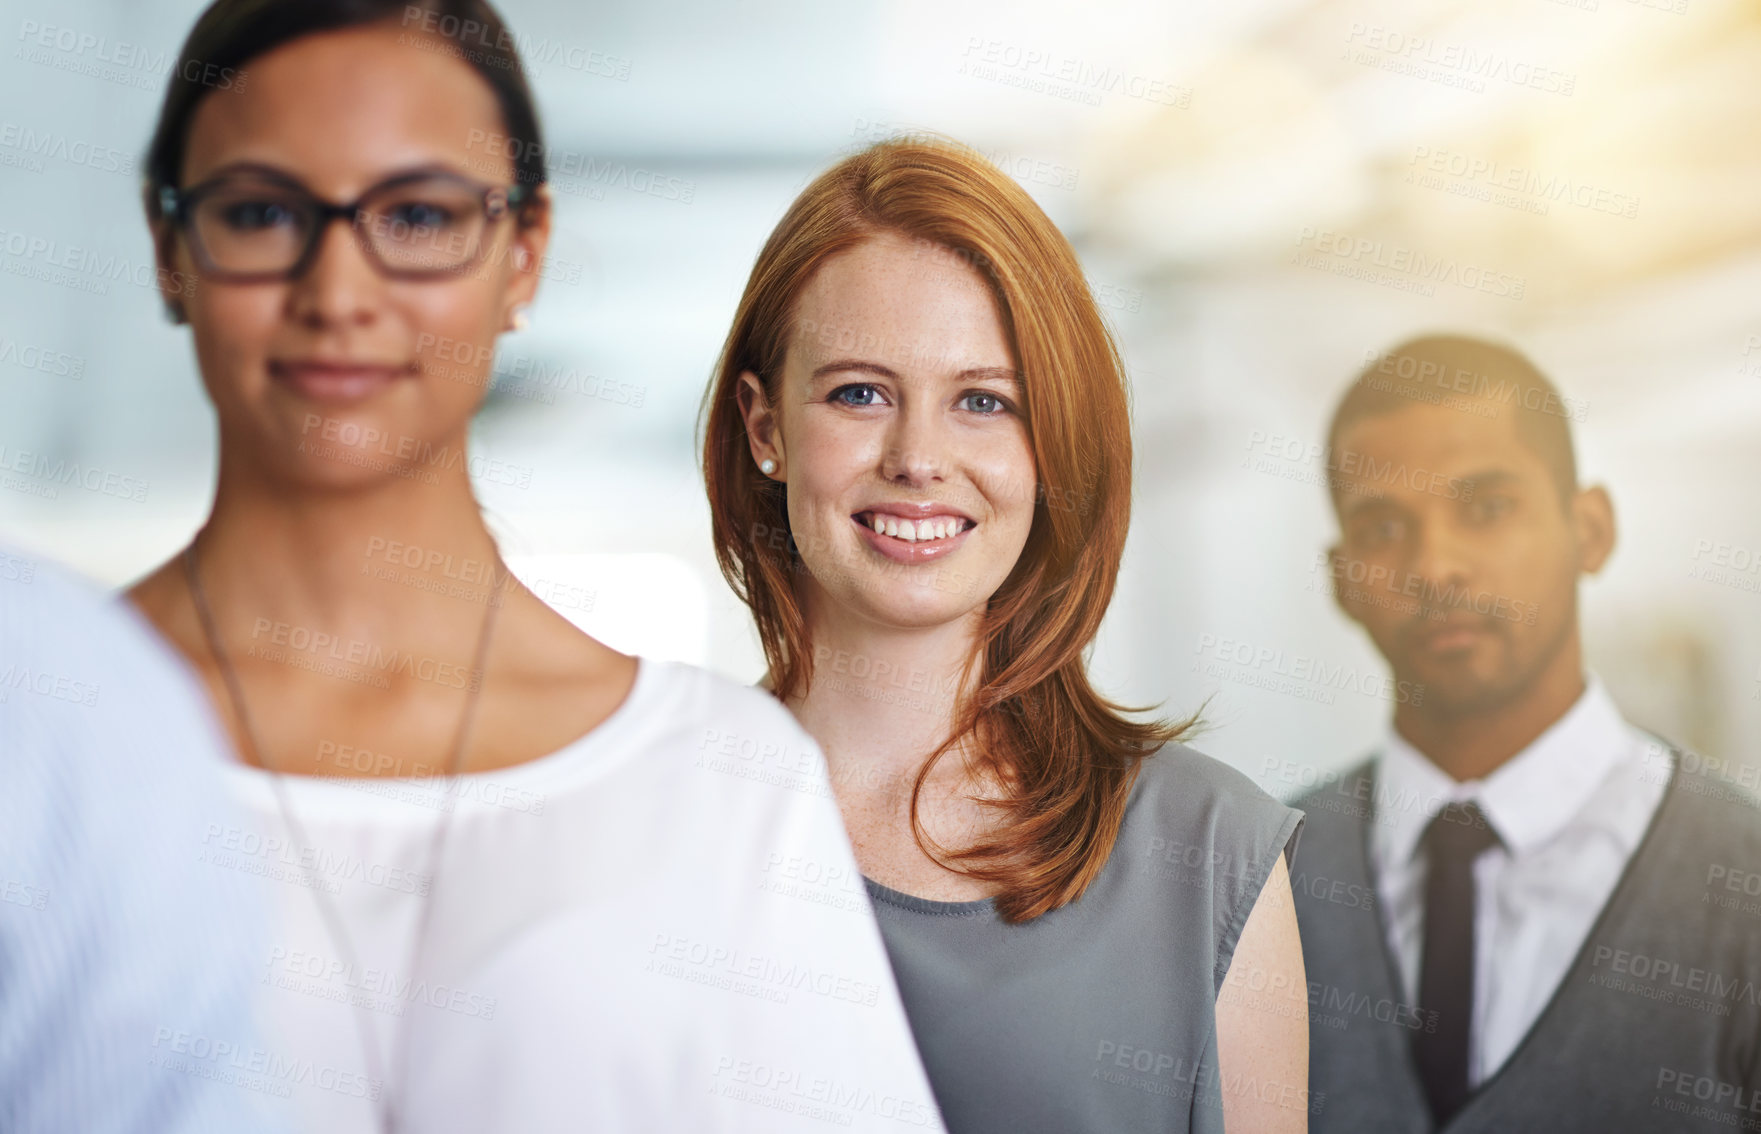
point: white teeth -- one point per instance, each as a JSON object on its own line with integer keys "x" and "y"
{"x": 914, "y": 531}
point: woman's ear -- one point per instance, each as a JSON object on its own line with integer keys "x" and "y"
{"x": 170, "y": 281}
{"x": 526, "y": 250}
{"x": 762, "y": 434}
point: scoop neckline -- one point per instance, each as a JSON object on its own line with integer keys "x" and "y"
{"x": 342, "y": 794}
{"x": 969, "y": 908}
{"x": 881, "y": 892}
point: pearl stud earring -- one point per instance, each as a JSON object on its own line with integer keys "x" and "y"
{"x": 767, "y": 466}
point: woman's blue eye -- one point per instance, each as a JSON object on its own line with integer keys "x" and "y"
{"x": 985, "y": 403}
{"x": 859, "y": 395}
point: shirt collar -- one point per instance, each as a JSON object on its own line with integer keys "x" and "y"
{"x": 1528, "y": 799}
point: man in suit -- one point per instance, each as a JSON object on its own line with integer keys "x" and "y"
{"x": 1541, "y": 944}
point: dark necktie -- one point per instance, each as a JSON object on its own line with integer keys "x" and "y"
{"x": 1446, "y": 971}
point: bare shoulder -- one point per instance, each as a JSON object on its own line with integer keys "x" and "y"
{"x": 1266, "y": 1035}
{"x": 549, "y": 681}
{"x": 545, "y": 647}
{"x": 162, "y": 597}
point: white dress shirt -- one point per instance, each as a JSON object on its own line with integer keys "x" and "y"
{"x": 1570, "y": 809}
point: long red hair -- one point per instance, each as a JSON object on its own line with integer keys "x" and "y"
{"x": 1067, "y": 756}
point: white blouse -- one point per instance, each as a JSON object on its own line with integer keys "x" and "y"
{"x": 659, "y": 927}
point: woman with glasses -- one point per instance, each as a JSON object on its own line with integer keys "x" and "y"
{"x": 525, "y": 882}
{"x": 918, "y": 456}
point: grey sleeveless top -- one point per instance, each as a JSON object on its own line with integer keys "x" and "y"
{"x": 1098, "y": 1017}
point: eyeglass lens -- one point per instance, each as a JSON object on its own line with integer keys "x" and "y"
{"x": 253, "y": 225}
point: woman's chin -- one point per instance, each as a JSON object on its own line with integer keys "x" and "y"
{"x": 908, "y": 606}
{"x": 922, "y": 596}
{"x": 315, "y": 465}
{"x": 307, "y": 448}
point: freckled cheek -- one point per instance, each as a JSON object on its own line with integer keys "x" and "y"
{"x": 827, "y": 462}
{"x": 827, "y": 457}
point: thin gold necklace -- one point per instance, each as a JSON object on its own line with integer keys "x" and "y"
{"x": 386, "y": 1104}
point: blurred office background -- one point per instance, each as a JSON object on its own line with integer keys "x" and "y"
{"x": 1264, "y": 192}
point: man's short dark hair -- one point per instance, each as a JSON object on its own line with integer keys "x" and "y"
{"x": 1432, "y": 369}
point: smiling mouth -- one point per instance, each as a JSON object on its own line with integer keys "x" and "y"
{"x": 914, "y": 531}
{"x": 335, "y": 382}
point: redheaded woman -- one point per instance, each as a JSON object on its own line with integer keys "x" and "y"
{"x": 918, "y": 457}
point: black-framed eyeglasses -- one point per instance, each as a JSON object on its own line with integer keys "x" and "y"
{"x": 258, "y": 226}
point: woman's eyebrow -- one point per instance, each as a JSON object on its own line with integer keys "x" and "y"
{"x": 281, "y": 173}
{"x": 258, "y": 167}
{"x": 857, "y": 364}
{"x": 993, "y": 374}
{"x": 439, "y": 165}
{"x": 976, "y": 373}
